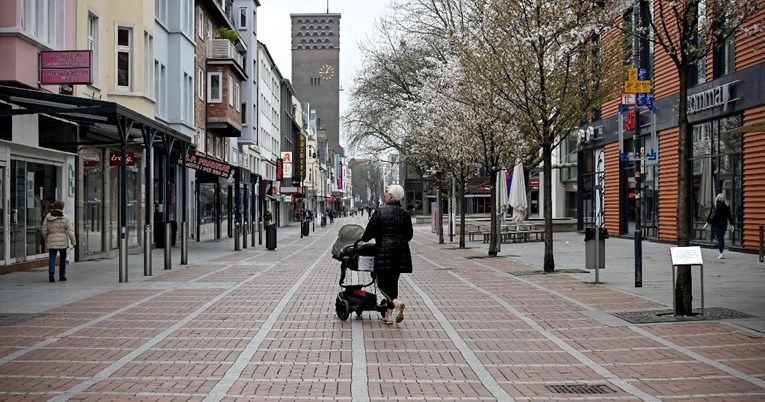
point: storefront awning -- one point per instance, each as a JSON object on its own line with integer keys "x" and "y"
{"x": 104, "y": 119}
{"x": 756, "y": 127}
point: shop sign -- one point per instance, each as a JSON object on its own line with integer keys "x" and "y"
{"x": 65, "y": 67}
{"x": 279, "y": 169}
{"x": 115, "y": 159}
{"x": 207, "y": 165}
{"x": 718, "y": 96}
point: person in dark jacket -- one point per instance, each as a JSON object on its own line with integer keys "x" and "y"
{"x": 719, "y": 222}
{"x": 391, "y": 227}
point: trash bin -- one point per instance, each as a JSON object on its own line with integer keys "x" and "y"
{"x": 271, "y": 237}
{"x": 305, "y": 227}
{"x": 589, "y": 247}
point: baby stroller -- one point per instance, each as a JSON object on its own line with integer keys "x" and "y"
{"x": 355, "y": 255}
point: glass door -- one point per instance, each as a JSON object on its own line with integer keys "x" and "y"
{"x": 34, "y": 188}
{"x": 3, "y": 211}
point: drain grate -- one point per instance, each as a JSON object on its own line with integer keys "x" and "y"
{"x": 13, "y": 319}
{"x": 541, "y": 272}
{"x": 445, "y": 269}
{"x": 579, "y": 389}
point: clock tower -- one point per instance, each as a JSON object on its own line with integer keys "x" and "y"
{"x": 316, "y": 68}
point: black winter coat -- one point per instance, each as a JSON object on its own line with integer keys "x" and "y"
{"x": 391, "y": 227}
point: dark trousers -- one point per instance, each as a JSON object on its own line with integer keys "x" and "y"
{"x": 720, "y": 229}
{"x": 52, "y": 261}
{"x": 387, "y": 282}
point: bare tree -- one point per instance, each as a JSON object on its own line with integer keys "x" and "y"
{"x": 550, "y": 87}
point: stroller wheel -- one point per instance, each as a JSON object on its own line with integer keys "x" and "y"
{"x": 343, "y": 309}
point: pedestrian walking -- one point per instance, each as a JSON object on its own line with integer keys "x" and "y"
{"x": 391, "y": 227}
{"x": 719, "y": 217}
{"x": 58, "y": 232}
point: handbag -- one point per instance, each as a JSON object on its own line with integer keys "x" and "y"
{"x": 70, "y": 255}
{"x": 711, "y": 216}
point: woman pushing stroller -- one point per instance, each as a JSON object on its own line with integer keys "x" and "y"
{"x": 391, "y": 227}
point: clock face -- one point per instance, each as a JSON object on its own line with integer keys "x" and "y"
{"x": 327, "y": 72}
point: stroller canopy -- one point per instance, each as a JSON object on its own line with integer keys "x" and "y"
{"x": 346, "y": 236}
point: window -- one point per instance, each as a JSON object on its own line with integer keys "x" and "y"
{"x": 724, "y": 56}
{"x": 160, "y": 11}
{"x": 93, "y": 46}
{"x": 242, "y": 17}
{"x": 214, "y": 94}
{"x": 230, "y": 91}
{"x": 148, "y": 56}
{"x": 124, "y": 58}
{"x": 200, "y": 23}
{"x": 201, "y": 84}
{"x": 237, "y": 97}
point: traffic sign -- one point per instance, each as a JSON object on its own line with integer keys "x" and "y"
{"x": 628, "y": 99}
{"x": 643, "y": 86}
{"x": 632, "y": 74}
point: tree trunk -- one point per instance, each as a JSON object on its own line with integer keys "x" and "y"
{"x": 549, "y": 262}
{"x": 462, "y": 213}
{"x": 493, "y": 236}
{"x": 440, "y": 216}
{"x": 684, "y": 282}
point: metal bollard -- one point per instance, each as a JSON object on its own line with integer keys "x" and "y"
{"x": 762, "y": 243}
{"x": 123, "y": 255}
{"x": 185, "y": 243}
{"x": 236, "y": 237}
{"x": 244, "y": 235}
{"x": 147, "y": 250}
{"x": 168, "y": 250}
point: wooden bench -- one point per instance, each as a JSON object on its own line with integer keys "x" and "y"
{"x": 473, "y": 233}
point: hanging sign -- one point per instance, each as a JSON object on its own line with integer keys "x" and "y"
{"x": 115, "y": 158}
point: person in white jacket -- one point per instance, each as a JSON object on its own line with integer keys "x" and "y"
{"x": 58, "y": 232}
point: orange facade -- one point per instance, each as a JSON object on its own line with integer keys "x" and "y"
{"x": 747, "y": 74}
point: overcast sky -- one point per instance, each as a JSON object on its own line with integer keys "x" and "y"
{"x": 357, "y": 22}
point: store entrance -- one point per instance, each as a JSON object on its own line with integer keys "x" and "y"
{"x": 34, "y": 188}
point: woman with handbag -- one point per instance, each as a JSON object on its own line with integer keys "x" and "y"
{"x": 719, "y": 217}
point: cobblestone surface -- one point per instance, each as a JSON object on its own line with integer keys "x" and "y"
{"x": 258, "y": 325}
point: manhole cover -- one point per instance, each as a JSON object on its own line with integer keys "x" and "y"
{"x": 13, "y": 319}
{"x": 472, "y": 257}
{"x": 579, "y": 389}
{"x": 658, "y": 316}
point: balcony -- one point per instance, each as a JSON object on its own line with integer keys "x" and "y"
{"x": 223, "y": 49}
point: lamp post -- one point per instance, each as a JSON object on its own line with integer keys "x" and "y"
{"x": 312, "y": 154}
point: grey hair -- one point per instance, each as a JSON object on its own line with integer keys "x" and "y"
{"x": 397, "y": 192}
{"x": 721, "y": 198}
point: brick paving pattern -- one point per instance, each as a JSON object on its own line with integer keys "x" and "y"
{"x": 260, "y": 325}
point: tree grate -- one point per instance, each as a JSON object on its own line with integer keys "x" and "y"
{"x": 579, "y": 389}
{"x": 13, "y": 319}
{"x": 660, "y": 316}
